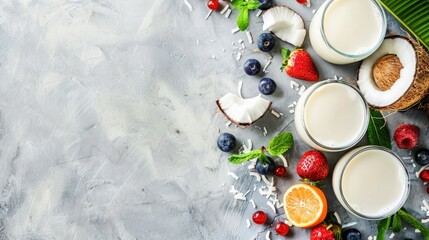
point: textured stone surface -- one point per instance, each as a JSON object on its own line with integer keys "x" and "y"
{"x": 108, "y": 123}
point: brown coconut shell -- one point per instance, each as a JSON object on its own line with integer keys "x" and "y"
{"x": 386, "y": 71}
{"x": 420, "y": 86}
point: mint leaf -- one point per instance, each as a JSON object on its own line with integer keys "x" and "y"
{"x": 414, "y": 222}
{"x": 285, "y": 52}
{"x": 243, "y": 19}
{"x": 280, "y": 144}
{"x": 378, "y": 134}
{"x": 396, "y": 223}
{"x": 241, "y": 158}
{"x": 253, "y": 4}
{"x": 239, "y": 4}
{"x": 382, "y": 227}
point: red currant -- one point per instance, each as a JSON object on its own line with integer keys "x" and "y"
{"x": 282, "y": 228}
{"x": 302, "y": 1}
{"x": 259, "y": 217}
{"x": 280, "y": 171}
{"x": 213, "y": 4}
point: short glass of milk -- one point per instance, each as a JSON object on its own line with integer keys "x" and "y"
{"x": 371, "y": 182}
{"x": 346, "y": 31}
{"x": 331, "y": 116}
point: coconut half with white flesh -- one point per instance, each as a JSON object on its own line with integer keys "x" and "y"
{"x": 285, "y": 23}
{"x": 396, "y": 76}
{"x": 243, "y": 111}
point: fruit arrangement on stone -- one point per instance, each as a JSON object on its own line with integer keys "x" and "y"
{"x": 395, "y": 77}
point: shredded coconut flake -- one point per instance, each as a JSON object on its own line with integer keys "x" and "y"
{"x": 253, "y": 203}
{"x": 370, "y": 238}
{"x": 238, "y": 57}
{"x": 224, "y": 9}
{"x": 337, "y": 217}
{"x": 249, "y": 37}
{"x": 222, "y": 185}
{"x": 228, "y": 123}
{"x": 259, "y": 13}
{"x": 240, "y": 86}
{"x": 266, "y": 66}
{"x": 301, "y": 90}
{"x": 425, "y": 220}
{"x": 208, "y": 14}
{"x": 265, "y": 131}
{"x": 228, "y": 13}
{"x": 188, "y": 5}
{"x": 416, "y": 230}
{"x": 233, "y": 175}
{"x": 294, "y": 85}
{"x": 240, "y": 196}
{"x": 308, "y": 3}
{"x": 267, "y": 236}
{"x": 248, "y": 223}
{"x": 391, "y": 235}
{"x": 257, "y": 175}
{"x": 251, "y": 166}
{"x": 275, "y": 113}
{"x": 291, "y": 111}
{"x": 425, "y": 204}
{"x": 284, "y": 160}
{"x": 349, "y": 224}
{"x": 288, "y": 223}
{"x": 314, "y": 11}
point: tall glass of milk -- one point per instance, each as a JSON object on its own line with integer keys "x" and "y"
{"x": 331, "y": 115}
{"x": 371, "y": 182}
{"x": 346, "y": 31}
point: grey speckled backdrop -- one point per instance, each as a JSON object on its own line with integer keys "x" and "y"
{"x": 108, "y": 123}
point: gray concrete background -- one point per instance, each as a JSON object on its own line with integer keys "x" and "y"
{"x": 108, "y": 123}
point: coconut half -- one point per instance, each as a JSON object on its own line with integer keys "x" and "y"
{"x": 241, "y": 111}
{"x": 285, "y": 23}
{"x": 396, "y": 76}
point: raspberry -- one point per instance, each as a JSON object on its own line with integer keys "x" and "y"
{"x": 406, "y": 136}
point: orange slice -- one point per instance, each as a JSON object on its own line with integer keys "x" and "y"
{"x": 305, "y": 205}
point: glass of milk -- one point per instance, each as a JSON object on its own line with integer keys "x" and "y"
{"x": 371, "y": 182}
{"x": 346, "y": 31}
{"x": 331, "y": 116}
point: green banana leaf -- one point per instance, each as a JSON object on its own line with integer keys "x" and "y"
{"x": 413, "y": 14}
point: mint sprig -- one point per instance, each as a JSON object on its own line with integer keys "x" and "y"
{"x": 395, "y": 223}
{"x": 378, "y": 134}
{"x": 278, "y": 145}
{"x": 244, "y": 7}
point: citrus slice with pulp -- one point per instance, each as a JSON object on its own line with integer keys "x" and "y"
{"x": 305, "y": 205}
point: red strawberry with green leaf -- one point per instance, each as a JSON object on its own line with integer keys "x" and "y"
{"x": 298, "y": 64}
{"x": 329, "y": 229}
{"x": 313, "y": 166}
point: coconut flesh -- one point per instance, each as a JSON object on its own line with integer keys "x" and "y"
{"x": 285, "y": 23}
{"x": 243, "y": 111}
{"x": 396, "y": 76}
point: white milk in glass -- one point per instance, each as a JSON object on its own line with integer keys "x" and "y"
{"x": 331, "y": 116}
{"x": 345, "y": 31}
{"x": 371, "y": 182}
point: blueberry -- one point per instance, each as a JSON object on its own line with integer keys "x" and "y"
{"x": 351, "y": 234}
{"x": 226, "y": 142}
{"x": 265, "y": 168}
{"x": 422, "y": 157}
{"x": 266, "y": 42}
{"x": 252, "y": 67}
{"x": 267, "y": 86}
{"x": 265, "y": 4}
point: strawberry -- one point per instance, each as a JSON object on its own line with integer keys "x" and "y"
{"x": 406, "y": 136}
{"x": 329, "y": 229}
{"x": 424, "y": 175}
{"x": 298, "y": 64}
{"x": 313, "y": 166}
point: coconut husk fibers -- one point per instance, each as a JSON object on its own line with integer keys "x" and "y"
{"x": 420, "y": 86}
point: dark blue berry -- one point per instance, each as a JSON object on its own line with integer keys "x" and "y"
{"x": 226, "y": 142}
{"x": 267, "y": 86}
{"x": 422, "y": 157}
{"x": 265, "y": 4}
{"x": 351, "y": 234}
{"x": 266, "y": 42}
{"x": 252, "y": 67}
{"x": 265, "y": 168}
